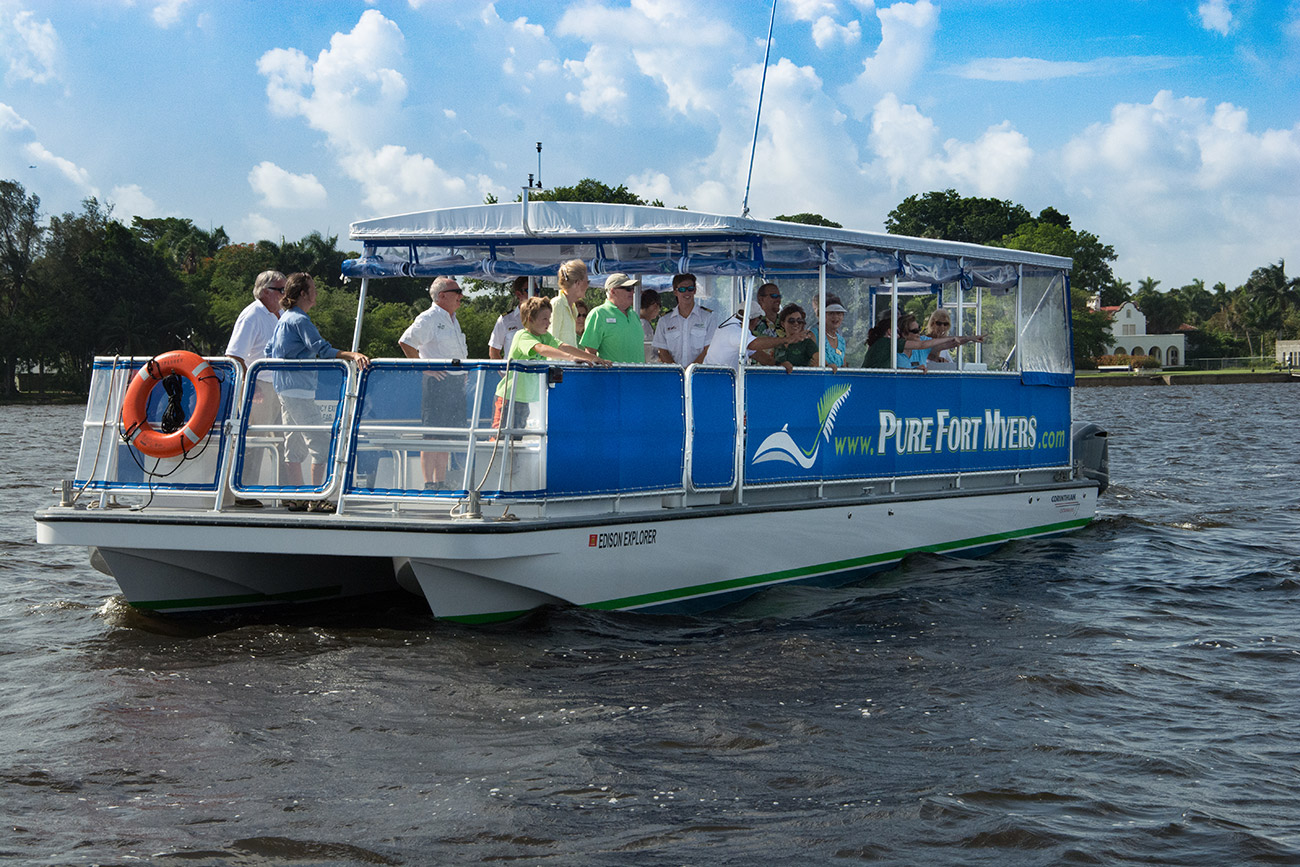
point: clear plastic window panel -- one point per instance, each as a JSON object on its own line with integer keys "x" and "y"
{"x": 791, "y": 254}
{"x": 105, "y": 461}
{"x": 931, "y": 269}
{"x": 1045, "y": 335}
{"x": 861, "y": 261}
{"x": 641, "y": 257}
{"x": 426, "y": 429}
{"x": 540, "y": 260}
{"x": 997, "y": 322}
{"x": 723, "y": 256}
{"x": 291, "y": 426}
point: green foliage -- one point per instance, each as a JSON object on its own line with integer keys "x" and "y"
{"x": 952, "y": 217}
{"x": 1116, "y": 292}
{"x": 809, "y": 220}
{"x": 1091, "y": 329}
{"x": 21, "y": 237}
{"x": 1165, "y": 311}
{"x": 1091, "y": 271}
{"x": 183, "y": 244}
{"x": 590, "y": 190}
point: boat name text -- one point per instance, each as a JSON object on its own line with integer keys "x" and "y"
{"x": 621, "y": 538}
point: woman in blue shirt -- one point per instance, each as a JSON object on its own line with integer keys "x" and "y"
{"x": 296, "y": 337}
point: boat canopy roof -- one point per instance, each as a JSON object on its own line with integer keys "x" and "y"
{"x": 531, "y": 238}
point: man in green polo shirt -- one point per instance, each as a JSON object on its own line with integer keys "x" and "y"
{"x": 614, "y": 328}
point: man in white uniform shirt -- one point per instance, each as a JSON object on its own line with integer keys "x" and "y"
{"x": 508, "y": 324}
{"x": 436, "y": 333}
{"x": 682, "y": 336}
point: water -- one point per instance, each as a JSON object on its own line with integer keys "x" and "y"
{"x": 1126, "y": 695}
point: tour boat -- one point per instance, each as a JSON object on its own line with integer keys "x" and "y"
{"x": 634, "y": 487}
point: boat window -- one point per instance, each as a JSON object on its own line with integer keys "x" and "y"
{"x": 861, "y": 261}
{"x": 641, "y": 257}
{"x": 1045, "y": 335}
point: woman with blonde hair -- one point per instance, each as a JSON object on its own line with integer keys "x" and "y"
{"x": 573, "y": 282}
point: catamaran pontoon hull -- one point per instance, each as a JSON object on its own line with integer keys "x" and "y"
{"x": 647, "y": 487}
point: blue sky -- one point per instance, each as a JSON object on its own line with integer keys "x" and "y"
{"x": 1169, "y": 128}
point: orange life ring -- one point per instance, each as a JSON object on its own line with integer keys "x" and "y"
{"x": 207, "y": 390}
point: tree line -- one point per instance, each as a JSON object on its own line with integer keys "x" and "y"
{"x": 84, "y": 284}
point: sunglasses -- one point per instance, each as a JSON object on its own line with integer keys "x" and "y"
{"x": 796, "y": 320}
{"x": 684, "y": 289}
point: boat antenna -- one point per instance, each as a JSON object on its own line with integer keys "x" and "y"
{"x": 744, "y": 206}
{"x": 539, "y": 165}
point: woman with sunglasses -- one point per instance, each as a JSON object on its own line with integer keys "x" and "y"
{"x": 880, "y": 341}
{"x": 802, "y": 349}
{"x": 938, "y": 325}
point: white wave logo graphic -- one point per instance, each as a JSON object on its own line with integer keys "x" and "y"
{"x": 780, "y": 446}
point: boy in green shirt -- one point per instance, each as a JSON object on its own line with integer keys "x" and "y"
{"x": 533, "y": 342}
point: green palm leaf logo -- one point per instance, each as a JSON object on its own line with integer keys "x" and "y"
{"x": 830, "y": 404}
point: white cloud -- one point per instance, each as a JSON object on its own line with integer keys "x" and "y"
{"x": 527, "y": 52}
{"x": 811, "y": 10}
{"x": 602, "y": 75}
{"x": 79, "y": 177}
{"x": 130, "y": 201}
{"x": 826, "y": 31}
{"x": 680, "y": 47}
{"x": 259, "y": 227}
{"x": 30, "y": 47}
{"x": 1191, "y": 192}
{"x": 168, "y": 12}
{"x": 1215, "y": 15}
{"x": 1037, "y": 69}
{"x": 395, "y": 180}
{"x": 351, "y": 91}
{"x": 12, "y": 120}
{"x": 904, "y": 143}
{"x": 283, "y": 189}
{"x": 906, "y": 45}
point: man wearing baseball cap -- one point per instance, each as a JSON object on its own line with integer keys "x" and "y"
{"x": 613, "y": 329}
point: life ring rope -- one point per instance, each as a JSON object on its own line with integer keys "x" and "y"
{"x": 136, "y": 429}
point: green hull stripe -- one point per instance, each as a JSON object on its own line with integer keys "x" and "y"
{"x": 243, "y": 599}
{"x": 825, "y": 568}
{"x": 495, "y": 617}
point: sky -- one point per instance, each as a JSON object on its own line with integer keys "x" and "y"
{"x": 1168, "y": 128}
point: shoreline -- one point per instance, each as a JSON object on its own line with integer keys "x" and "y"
{"x": 1086, "y": 381}
{"x": 1131, "y": 379}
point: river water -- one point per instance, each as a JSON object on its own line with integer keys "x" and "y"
{"x": 1125, "y": 695}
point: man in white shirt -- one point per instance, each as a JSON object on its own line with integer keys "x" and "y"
{"x": 724, "y": 346}
{"x": 256, "y": 321}
{"x": 508, "y": 324}
{"x": 247, "y": 344}
{"x": 436, "y": 333}
{"x": 682, "y": 336}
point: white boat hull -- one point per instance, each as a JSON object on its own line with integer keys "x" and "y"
{"x": 699, "y": 563}
{"x": 477, "y": 571}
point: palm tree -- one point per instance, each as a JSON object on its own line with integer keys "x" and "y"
{"x": 1272, "y": 295}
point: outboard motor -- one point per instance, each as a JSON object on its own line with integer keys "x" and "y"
{"x": 1092, "y": 454}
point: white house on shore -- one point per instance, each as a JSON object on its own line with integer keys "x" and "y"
{"x": 1287, "y": 353}
{"x": 1128, "y": 336}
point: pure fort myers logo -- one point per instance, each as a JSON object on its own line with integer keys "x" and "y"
{"x": 780, "y": 446}
{"x": 941, "y": 432}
